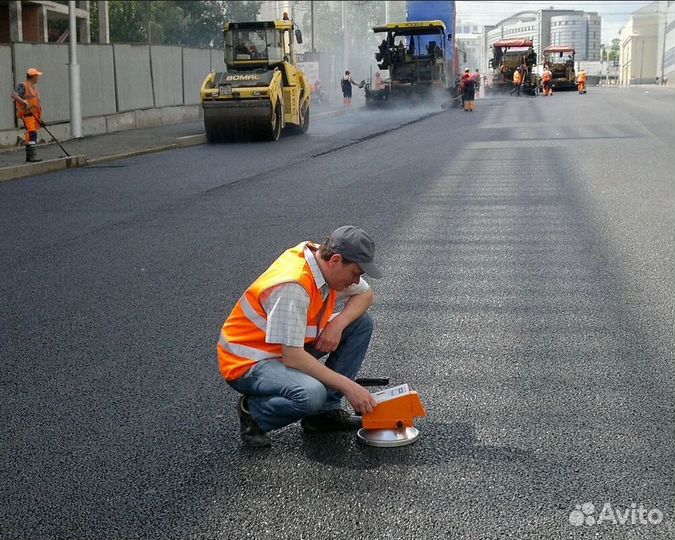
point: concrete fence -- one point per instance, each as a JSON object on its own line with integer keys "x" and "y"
{"x": 123, "y": 86}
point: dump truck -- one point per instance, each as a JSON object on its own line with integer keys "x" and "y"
{"x": 262, "y": 91}
{"x": 415, "y": 53}
{"x": 509, "y": 54}
{"x": 560, "y": 61}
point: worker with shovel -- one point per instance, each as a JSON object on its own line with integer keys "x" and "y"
{"x": 28, "y": 109}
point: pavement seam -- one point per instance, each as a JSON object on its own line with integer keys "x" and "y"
{"x": 301, "y": 159}
{"x": 378, "y": 134}
{"x": 16, "y": 172}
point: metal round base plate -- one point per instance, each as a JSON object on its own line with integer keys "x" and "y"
{"x": 388, "y": 437}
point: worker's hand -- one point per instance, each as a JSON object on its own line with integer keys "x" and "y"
{"x": 360, "y": 398}
{"x": 330, "y": 337}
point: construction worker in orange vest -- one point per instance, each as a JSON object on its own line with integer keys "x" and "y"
{"x": 546, "y": 80}
{"x": 517, "y": 80}
{"x": 270, "y": 344}
{"x": 581, "y": 81}
{"x": 28, "y": 109}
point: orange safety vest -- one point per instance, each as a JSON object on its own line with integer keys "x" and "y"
{"x": 581, "y": 77}
{"x": 242, "y": 338}
{"x": 546, "y": 77}
{"x": 516, "y": 77}
{"x": 32, "y": 96}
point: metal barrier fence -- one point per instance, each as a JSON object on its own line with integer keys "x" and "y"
{"x": 115, "y": 78}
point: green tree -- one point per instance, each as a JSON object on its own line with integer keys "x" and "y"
{"x": 241, "y": 11}
{"x": 202, "y": 24}
{"x": 129, "y": 20}
{"x": 611, "y": 54}
{"x": 196, "y": 24}
{"x": 93, "y": 21}
{"x": 614, "y": 51}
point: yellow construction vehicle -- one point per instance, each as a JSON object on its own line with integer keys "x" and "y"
{"x": 509, "y": 55}
{"x": 419, "y": 57}
{"x": 560, "y": 61}
{"x": 263, "y": 91}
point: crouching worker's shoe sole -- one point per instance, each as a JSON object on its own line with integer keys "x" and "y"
{"x": 251, "y": 433}
{"x": 334, "y": 420}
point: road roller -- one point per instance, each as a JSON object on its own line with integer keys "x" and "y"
{"x": 263, "y": 92}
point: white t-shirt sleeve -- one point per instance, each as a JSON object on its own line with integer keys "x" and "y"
{"x": 358, "y": 288}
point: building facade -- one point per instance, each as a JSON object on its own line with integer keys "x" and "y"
{"x": 581, "y": 31}
{"x": 545, "y": 27}
{"x": 644, "y": 47}
{"x": 28, "y": 21}
{"x": 668, "y": 54}
{"x": 469, "y": 39}
{"x": 523, "y": 25}
{"x": 470, "y": 51}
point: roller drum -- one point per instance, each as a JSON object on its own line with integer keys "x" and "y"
{"x": 241, "y": 121}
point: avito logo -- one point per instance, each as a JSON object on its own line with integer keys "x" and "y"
{"x": 584, "y": 514}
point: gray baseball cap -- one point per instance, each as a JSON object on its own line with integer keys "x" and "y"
{"x": 355, "y": 245}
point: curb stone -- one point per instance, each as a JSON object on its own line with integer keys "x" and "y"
{"x": 43, "y": 167}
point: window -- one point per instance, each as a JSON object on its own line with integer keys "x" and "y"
{"x": 264, "y": 44}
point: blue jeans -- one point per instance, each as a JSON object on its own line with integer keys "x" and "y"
{"x": 279, "y": 395}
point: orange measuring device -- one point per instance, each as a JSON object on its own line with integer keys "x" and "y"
{"x": 396, "y": 413}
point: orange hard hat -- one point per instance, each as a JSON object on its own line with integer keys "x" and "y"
{"x": 32, "y": 72}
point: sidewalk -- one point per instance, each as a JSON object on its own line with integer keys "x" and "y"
{"x": 117, "y": 145}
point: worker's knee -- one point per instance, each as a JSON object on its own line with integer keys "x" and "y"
{"x": 308, "y": 398}
{"x": 364, "y": 324}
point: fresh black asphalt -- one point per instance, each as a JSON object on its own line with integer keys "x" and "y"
{"x": 529, "y": 298}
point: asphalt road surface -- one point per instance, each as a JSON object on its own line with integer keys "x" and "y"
{"x": 529, "y": 298}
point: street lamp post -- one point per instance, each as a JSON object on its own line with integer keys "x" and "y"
{"x": 74, "y": 75}
{"x": 663, "y": 49}
{"x": 642, "y": 56}
{"x": 344, "y": 35}
{"x": 311, "y": 15}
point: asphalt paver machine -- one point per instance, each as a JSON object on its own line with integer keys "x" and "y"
{"x": 507, "y": 56}
{"x": 560, "y": 61}
{"x": 416, "y": 56}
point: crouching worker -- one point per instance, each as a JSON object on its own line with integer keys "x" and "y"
{"x": 270, "y": 344}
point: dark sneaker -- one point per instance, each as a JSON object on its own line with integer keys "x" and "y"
{"x": 333, "y": 420}
{"x": 251, "y": 433}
